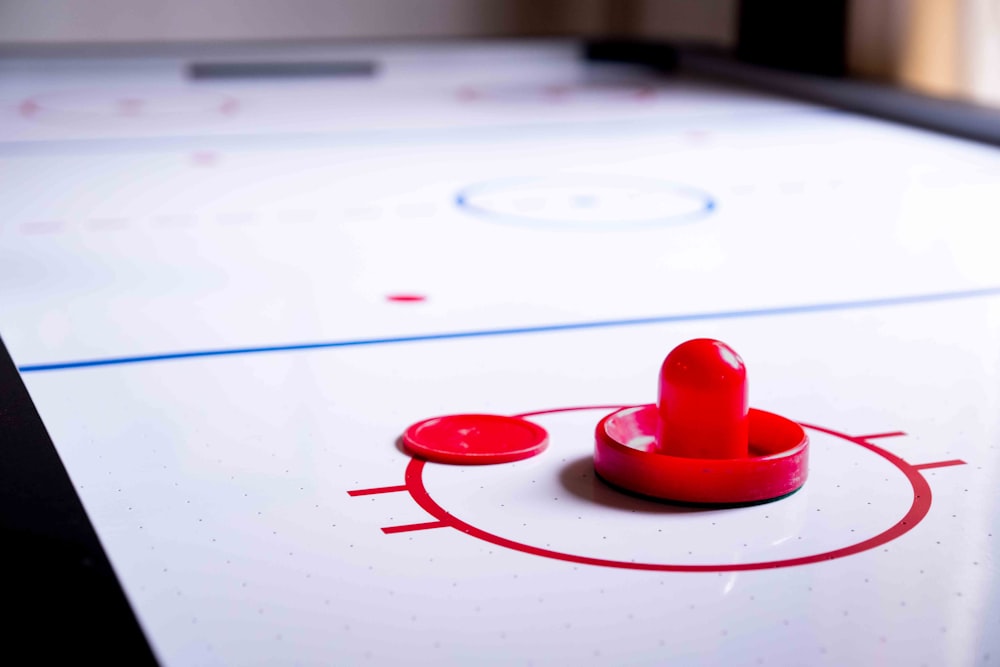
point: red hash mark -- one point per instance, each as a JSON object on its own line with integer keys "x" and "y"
{"x": 204, "y": 158}
{"x": 380, "y": 489}
{"x": 415, "y": 526}
{"x": 889, "y": 434}
{"x": 939, "y": 464}
{"x": 397, "y": 529}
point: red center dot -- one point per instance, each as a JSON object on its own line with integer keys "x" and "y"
{"x": 406, "y": 298}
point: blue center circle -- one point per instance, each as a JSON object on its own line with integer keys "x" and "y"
{"x": 585, "y": 201}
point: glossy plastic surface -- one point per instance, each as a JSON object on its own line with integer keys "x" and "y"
{"x": 475, "y": 439}
{"x": 702, "y": 402}
{"x": 777, "y": 465}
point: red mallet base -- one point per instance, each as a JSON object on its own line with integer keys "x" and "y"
{"x": 475, "y": 439}
{"x": 777, "y": 465}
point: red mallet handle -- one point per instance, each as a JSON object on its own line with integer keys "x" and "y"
{"x": 702, "y": 402}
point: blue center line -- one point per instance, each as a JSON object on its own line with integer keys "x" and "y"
{"x": 515, "y": 331}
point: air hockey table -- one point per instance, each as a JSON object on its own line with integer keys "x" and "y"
{"x": 231, "y": 278}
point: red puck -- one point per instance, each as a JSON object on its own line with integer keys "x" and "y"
{"x": 475, "y": 439}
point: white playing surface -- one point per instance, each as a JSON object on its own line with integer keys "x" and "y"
{"x": 566, "y": 226}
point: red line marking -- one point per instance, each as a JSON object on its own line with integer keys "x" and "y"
{"x": 380, "y": 489}
{"x": 889, "y": 434}
{"x": 919, "y": 508}
{"x": 414, "y": 526}
{"x": 406, "y": 298}
{"x": 131, "y": 106}
{"x": 29, "y": 108}
{"x": 204, "y": 158}
{"x": 939, "y": 464}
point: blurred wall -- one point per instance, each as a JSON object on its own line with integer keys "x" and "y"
{"x": 116, "y": 21}
{"x": 980, "y": 30}
{"x": 103, "y": 21}
{"x": 703, "y": 21}
{"x": 944, "y": 47}
{"x": 941, "y": 47}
